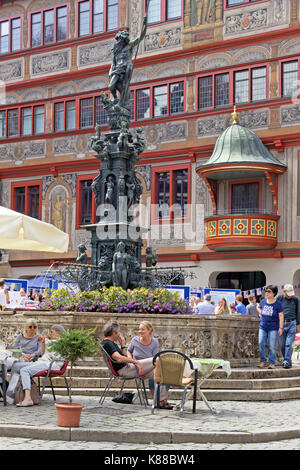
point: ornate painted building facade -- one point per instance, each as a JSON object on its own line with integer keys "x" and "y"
{"x": 199, "y": 59}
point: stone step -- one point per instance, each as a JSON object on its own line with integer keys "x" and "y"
{"x": 211, "y": 395}
{"x": 236, "y": 374}
{"x": 229, "y": 384}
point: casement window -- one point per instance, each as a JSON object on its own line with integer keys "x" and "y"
{"x": 234, "y": 87}
{"x": 160, "y": 11}
{"x": 234, "y": 3}
{"x": 22, "y": 121}
{"x": 49, "y": 26}
{"x": 91, "y": 112}
{"x": 171, "y": 192}
{"x": 10, "y": 35}
{"x": 12, "y": 122}
{"x": 97, "y": 16}
{"x": 245, "y": 197}
{"x": 290, "y": 78}
{"x": 86, "y": 207}
{"x": 250, "y": 85}
{"x": 157, "y": 101}
{"x": 65, "y": 116}
{"x": 26, "y": 198}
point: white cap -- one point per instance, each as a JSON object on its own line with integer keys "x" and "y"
{"x": 289, "y": 290}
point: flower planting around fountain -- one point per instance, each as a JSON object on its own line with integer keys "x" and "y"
{"x": 118, "y": 300}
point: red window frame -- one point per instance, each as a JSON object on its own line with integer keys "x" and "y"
{"x": 26, "y": 185}
{"x": 281, "y": 78}
{"x": 64, "y": 102}
{"x": 42, "y": 12}
{"x": 77, "y": 100}
{"x": 231, "y": 73}
{"x": 171, "y": 170}
{"x": 163, "y": 13}
{"x": 151, "y": 88}
{"x": 241, "y": 4}
{"x": 91, "y": 9}
{"x": 10, "y": 20}
{"x": 19, "y": 109}
{"x": 81, "y": 178}
{"x": 231, "y": 183}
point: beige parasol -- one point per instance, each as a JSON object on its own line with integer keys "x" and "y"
{"x": 21, "y": 232}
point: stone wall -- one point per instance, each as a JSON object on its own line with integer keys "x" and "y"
{"x": 231, "y": 338}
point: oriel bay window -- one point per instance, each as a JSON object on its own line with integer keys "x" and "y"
{"x": 26, "y": 198}
{"x": 245, "y": 197}
{"x": 158, "y": 101}
{"x": 171, "y": 193}
{"x": 49, "y": 26}
{"x": 96, "y": 16}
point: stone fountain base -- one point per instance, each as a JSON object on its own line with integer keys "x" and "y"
{"x": 231, "y": 338}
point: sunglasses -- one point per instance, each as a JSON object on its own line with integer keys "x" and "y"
{"x": 268, "y": 291}
{"x": 32, "y": 326}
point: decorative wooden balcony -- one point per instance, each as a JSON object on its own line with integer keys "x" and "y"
{"x": 241, "y": 232}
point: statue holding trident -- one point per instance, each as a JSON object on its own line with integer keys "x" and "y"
{"x": 122, "y": 67}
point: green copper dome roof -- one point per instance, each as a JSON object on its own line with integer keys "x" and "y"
{"x": 238, "y": 146}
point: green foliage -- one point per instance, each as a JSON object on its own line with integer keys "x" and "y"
{"x": 74, "y": 345}
{"x": 118, "y": 300}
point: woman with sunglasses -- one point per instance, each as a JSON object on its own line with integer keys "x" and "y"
{"x": 28, "y": 341}
{"x": 271, "y": 325}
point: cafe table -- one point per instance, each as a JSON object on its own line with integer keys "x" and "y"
{"x": 203, "y": 369}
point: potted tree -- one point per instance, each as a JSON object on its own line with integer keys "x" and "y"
{"x": 73, "y": 345}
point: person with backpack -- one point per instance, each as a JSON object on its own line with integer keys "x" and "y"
{"x": 291, "y": 310}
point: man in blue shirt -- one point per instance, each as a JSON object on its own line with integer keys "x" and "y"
{"x": 240, "y": 308}
{"x": 205, "y": 308}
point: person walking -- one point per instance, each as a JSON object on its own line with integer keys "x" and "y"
{"x": 291, "y": 326}
{"x": 271, "y": 324}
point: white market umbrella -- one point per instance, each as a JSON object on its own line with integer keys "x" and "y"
{"x": 21, "y": 232}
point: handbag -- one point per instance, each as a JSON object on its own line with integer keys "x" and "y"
{"x": 34, "y": 392}
{"x": 124, "y": 398}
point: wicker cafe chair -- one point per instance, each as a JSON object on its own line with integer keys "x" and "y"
{"x": 169, "y": 369}
{"x": 139, "y": 380}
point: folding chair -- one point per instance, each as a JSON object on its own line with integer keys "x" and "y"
{"x": 169, "y": 371}
{"x": 49, "y": 374}
{"x": 139, "y": 380}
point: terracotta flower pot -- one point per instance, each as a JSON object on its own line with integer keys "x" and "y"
{"x": 68, "y": 414}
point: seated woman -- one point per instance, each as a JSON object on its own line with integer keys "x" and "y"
{"x": 127, "y": 366}
{"x": 28, "y": 342}
{"x": 222, "y": 307}
{"x": 29, "y": 370}
{"x": 144, "y": 346}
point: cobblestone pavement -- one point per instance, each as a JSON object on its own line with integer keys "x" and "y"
{"x": 233, "y": 416}
{"x": 36, "y": 426}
